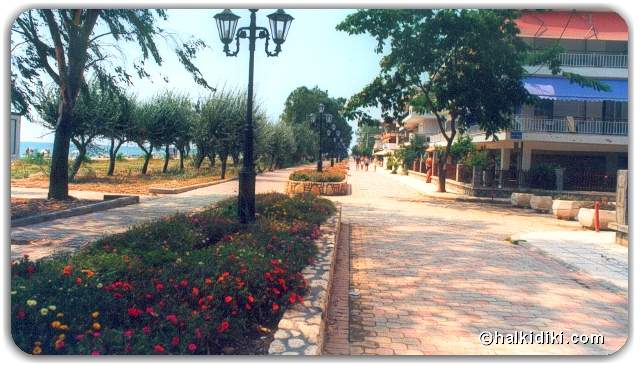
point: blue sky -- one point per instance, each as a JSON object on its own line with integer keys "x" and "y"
{"x": 314, "y": 54}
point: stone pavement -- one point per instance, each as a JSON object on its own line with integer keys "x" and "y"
{"x": 429, "y": 276}
{"x": 63, "y": 235}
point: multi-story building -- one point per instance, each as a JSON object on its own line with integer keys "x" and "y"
{"x": 581, "y": 129}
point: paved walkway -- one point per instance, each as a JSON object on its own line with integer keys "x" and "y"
{"x": 429, "y": 276}
{"x": 68, "y": 234}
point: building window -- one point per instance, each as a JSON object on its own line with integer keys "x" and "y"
{"x": 615, "y": 110}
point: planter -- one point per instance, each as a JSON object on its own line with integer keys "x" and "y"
{"x": 317, "y": 188}
{"x": 568, "y": 209}
{"x": 541, "y": 203}
{"x": 522, "y": 200}
{"x": 585, "y": 217}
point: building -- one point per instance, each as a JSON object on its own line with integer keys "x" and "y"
{"x": 582, "y": 130}
{"x": 14, "y": 136}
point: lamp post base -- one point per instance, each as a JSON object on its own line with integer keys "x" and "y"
{"x": 247, "y": 196}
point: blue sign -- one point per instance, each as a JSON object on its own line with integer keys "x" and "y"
{"x": 516, "y": 134}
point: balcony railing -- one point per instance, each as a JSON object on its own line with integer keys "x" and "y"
{"x": 563, "y": 125}
{"x": 593, "y": 59}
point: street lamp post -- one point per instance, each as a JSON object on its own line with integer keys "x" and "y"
{"x": 319, "y": 121}
{"x": 226, "y": 21}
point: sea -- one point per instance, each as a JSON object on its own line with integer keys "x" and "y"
{"x": 127, "y": 149}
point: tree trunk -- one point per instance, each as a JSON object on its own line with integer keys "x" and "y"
{"x": 212, "y": 159}
{"x": 236, "y": 159}
{"x": 442, "y": 177}
{"x": 199, "y": 160}
{"x": 181, "y": 150}
{"x": 166, "y": 160}
{"x": 59, "y": 174}
{"x": 145, "y": 165}
{"x": 223, "y": 166}
{"x": 82, "y": 152}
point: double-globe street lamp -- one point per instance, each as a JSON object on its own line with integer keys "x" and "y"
{"x": 279, "y": 22}
{"x": 321, "y": 120}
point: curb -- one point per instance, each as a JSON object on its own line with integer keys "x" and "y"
{"x": 183, "y": 189}
{"x": 91, "y": 208}
{"x": 301, "y": 330}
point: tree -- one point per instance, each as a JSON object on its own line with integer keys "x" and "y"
{"x": 62, "y": 45}
{"x": 118, "y": 128}
{"x": 464, "y": 66}
{"x": 302, "y": 102}
{"x": 94, "y": 109}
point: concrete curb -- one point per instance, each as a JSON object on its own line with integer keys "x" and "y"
{"x": 183, "y": 189}
{"x": 301, "y": 330}
{"x": 91, "y": 208}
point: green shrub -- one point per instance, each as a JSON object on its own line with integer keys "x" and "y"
{"x": 543, "y": 176}
{"x": 187, "y": 284}
{"x": 35, "y": 158}
{"x": 315, "y": 176}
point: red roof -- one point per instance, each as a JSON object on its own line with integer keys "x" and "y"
{"x": 607, "y": 26}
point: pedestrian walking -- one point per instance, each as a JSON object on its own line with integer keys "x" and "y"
{"x": 366, "y": 163}
{"x": 357, "y": 162}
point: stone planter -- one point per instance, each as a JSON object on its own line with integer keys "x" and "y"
{"x": 567, "y": 209}
{"x": 541, "y": 203}
{"x": 585, "y": 217}
{"x": 317, "y": 188}
{"x": 521, "y": 200}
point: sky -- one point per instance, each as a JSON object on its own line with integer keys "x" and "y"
{"x": 315, "y": 53}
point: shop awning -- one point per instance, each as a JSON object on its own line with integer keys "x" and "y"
{"x": 604, "y": 26}
{"x": 557, "y": 88}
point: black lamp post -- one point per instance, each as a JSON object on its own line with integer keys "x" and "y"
{"x": 319, "y": 121}
{"x": 279, "y": 22}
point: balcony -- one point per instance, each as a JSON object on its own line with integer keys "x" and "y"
{"x": 564, "y": 125}
{"x": 593, "y": 59}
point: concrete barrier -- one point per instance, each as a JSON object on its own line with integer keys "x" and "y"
{"x": 521, "y": 200}
{"x": 585, "y": 217}
{"x": 568, "y": 209}
{"x": 541, "y": 203}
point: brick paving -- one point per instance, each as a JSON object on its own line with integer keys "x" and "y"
{"x": 427, "y": 277}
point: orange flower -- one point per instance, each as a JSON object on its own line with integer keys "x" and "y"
{"x": 208, "y": 281}
{"x": 88, "y": 272}
{"x": 67, "y": 270}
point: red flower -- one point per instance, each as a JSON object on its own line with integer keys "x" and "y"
{"x": 247, "y": 306}
{"x": 172, "y": 318}
{"x": 198, "y": 333}
{"x": 274, "y": 262}
{"x": 128, "y": 333}
{"x": 208, "y": 281}
{"x": 146, "y": 330}
{"x": 67, "y": 270}
{"x": 134, "y": 312}
{"x": 282, "y": 283}
{"x": 292, "y": 298}
{"x": 159, "y": 287}
{"x": 31, "y": 269}
{"x": 195, "y": 292}
{"x": 117, "y": 296}
{"x": 228, "y": 299}
{"x": 78, "y": 281}
{"x": 175, "y": 341}
{"x": 276, "y": 290}
{"x": 95, "y": 353}
{"x": 224, "y": 325}
{"x": 184, "y": 283}
{"x": 250, "y": 299}
{"x": 158, "y": 348}
{"x": 275, "y": 307}
{"x": 59, "y": 344}
{"x": 21, "y": 314}
{"x": 192, "y": 347}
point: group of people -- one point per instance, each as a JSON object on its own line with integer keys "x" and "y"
{"x": 362, "y": 163}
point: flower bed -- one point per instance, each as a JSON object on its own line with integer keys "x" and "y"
{"x": 188, "y": 284}
{"x": 327, "y": 175}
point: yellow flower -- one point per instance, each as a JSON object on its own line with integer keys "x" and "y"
{"x": 31, "y": 302}
{"x": 37, "y": 350}
{"x": 64, "y": 327}
{"x": 55, "y": 324}
{"x": 44, "y": 311}
{"x": 52, "y": 307}
{"x": 96, "y": 326}
{"x": 99, "y": 286}
{"x": 61, "y": 336}
{"x": 60, "y": 315}
{"x": 95, "y": 314}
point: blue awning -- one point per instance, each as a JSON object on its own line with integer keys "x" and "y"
{"x": 556, "y": 88}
